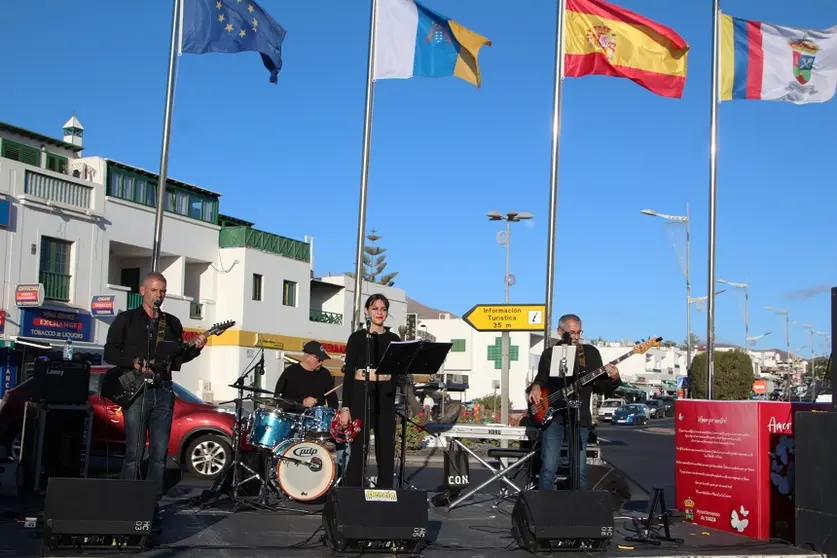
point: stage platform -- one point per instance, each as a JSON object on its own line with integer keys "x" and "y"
{"x": 474, "y": 529}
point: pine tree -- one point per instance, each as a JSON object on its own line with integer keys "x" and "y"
{"x": 375, "y": 262}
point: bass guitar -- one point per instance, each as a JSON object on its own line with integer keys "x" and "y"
{"x": 123, "y": 385}
{"x": 543, "y": 410}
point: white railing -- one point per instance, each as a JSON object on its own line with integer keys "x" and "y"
{"x": 57, "y": 190}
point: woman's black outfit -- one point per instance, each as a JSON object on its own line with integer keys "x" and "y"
{"x": 381, "y": 415}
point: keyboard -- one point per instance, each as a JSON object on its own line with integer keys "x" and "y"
{"x": 484, "y": 431}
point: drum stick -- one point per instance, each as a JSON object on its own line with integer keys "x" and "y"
{"x": 332, "y": 390}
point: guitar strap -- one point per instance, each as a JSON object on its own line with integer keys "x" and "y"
{"x": 582, "y": 363}
{"x": 161, "y": 329}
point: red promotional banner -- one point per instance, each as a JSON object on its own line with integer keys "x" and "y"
{"x": 735, "y": 465}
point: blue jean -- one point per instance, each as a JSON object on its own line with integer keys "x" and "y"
{"x": 152, "y": 417}
{"x": 552, "y": 438}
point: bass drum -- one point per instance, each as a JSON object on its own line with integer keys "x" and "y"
{"x": 305, "y": 470}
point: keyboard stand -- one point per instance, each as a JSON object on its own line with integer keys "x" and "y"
{"x": 499, "y": 474}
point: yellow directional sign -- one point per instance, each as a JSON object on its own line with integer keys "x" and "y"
{"x": 506, "y": 317}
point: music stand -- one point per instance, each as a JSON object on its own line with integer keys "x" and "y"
{"x": 405, "y": 358}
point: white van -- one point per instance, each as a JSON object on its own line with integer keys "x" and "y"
{"x": 608, "y": 407}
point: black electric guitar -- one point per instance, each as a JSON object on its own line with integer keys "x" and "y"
{"x": 123, "y": 385}
{"x": 543, "y": 410}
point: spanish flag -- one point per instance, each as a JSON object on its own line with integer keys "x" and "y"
{"x": 606, "y": 40}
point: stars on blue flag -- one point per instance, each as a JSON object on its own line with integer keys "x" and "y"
{"x": 231, "y": 26}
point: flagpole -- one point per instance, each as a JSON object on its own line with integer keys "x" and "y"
{"x": 713, "y": 187}
{"x": 164, "y": 151}
{"x": 364, "y": 168}
{"x": 554, "y": 167}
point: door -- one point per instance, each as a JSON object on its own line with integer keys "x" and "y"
{"x": 130, "y": 278}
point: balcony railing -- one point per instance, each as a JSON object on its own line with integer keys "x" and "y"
{"x": 325, "y": 317}
{"x": 58, "y": 190}
{"x": 195, "y": 311}
{"x": 56, "y": 286}
{"x": 246, "y": 237}
{"x": 134, "y": 300}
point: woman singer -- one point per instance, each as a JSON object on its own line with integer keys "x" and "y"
{"x": 380, "y": 416}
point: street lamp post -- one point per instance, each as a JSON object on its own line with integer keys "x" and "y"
{"x": 809, "y": 327}
{"x": 826, "y": 338}
{"x": 786, "y": 314}
{"x": 686, "y": 220}
{"x": 509, "y": 218}
{"x": 743, "y": 286}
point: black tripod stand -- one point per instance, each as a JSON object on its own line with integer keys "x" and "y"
{"x": 231, "y": 476}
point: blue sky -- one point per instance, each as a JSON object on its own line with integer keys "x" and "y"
{"x": 287, "y": 156}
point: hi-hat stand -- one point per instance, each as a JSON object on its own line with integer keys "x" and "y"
{"x": 233, "y": 469}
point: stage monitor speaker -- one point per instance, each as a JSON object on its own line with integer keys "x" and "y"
{"x": 563, "y": 520}
{"x": 816, "y": 484}
{"x": 376, "y": 520}
{"x": 98, "y": 513}
{"x": 604, "y": 477}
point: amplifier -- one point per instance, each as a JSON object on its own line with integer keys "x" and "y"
{"x": 56, "y": 443}
{"x": 376, "y": 520}
{"x": 62, "y": 381}
{"x": 98, "y": 513}
{"x": 563, "y": 520}
{"x": 816, "y": 484}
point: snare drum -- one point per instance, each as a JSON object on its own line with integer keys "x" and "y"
{"x": 271, "y": 427}
{"x": 316, "y": 423}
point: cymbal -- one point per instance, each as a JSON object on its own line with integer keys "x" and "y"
{"x": 277, "y": 400}
{"x": 251, "y": 389}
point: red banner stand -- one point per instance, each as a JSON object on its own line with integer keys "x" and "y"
{"x": 734, "y": 465}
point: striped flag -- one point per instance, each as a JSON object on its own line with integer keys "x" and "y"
{"x": 606, "y": 40}
{"x": 766, "y": 62}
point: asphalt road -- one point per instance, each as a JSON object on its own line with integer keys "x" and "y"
{"x": 645, "y": 457}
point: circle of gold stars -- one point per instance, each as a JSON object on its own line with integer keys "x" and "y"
{"x": 229, "y": 27}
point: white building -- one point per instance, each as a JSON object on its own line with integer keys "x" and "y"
{"x": 477, "y": 356}
{"x": 74, "y": 229}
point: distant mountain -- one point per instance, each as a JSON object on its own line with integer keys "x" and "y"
{"x": 425, "y": 312}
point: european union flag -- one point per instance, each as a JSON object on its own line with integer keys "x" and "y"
{"x": 232, "y": 26}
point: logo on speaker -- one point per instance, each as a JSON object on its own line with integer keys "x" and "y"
{"x": 142, "y": 526}
{"x": 380, "y": 495}
{"x": 419, "y": 532}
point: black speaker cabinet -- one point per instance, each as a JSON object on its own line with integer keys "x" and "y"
{"x": 98, "y": 513}
{"x": 62, "y": 382}
{"x": 457, "y": 469}
{"x": 816, "y": 482}
{"x": 376, "y": 520}
{"x": 563, "y": 520}
{"x": 603, "y": 477}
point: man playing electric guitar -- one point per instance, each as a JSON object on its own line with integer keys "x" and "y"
{"x": 132, "y": 343}
{"x": 588, "y": 359}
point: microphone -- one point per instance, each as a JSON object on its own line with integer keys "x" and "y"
{"x": 566, "y": 340}
{"x": 368, "y": 322}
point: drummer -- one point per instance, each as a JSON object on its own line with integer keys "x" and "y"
{"x": 307, "y": 382}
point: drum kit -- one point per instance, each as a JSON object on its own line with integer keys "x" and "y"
{"x": 303, "y": 453}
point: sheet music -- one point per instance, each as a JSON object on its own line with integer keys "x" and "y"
{"x": 558, "y": 353}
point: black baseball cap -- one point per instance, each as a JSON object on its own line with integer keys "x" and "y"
{"x": 316, "y": 349}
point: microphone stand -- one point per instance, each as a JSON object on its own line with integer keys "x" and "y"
{"x": 366, "y": 403}
{"x": 153, "y": 323}
{"x": 574, "y": 433}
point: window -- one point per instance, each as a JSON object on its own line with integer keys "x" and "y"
{"x": 55, "y": 268}
{"x": 288, "y": 293}
{"x": 142, "y": 189}
{"x": 56, "y": 163}
{"x": 257, "y": 286}
{"x": 458, "y": 346}
{"x": 19, "y": 152}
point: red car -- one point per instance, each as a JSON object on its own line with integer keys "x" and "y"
{"x": 201, "y": 433}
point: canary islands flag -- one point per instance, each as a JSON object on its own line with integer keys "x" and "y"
{"x": 412, "y": 40}
{"x": 231, "y": 26}
{"x": 761, "y": 61}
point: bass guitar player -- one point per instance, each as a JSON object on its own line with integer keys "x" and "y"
{"x": 588, "y": 358}
{"x": 132, "y": 343}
